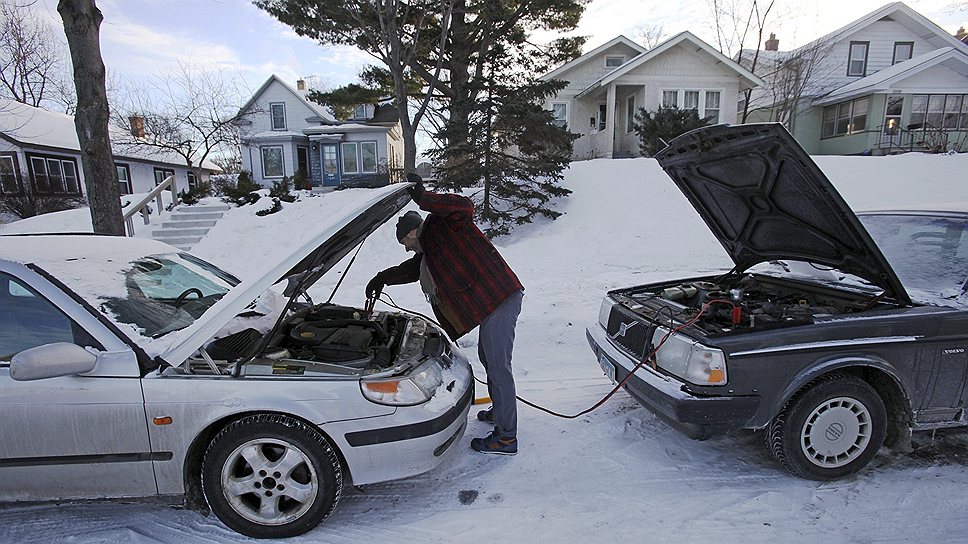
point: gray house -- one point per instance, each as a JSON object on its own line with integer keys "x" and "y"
{"x": 890, "y": 81}
{"x": 39, "y": 152}
{"x": 284, "y": 133}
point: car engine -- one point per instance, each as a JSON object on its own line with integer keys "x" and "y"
{"x": 324, "y": 338}
{"x": 745, "y": 302}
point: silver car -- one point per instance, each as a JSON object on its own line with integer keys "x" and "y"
{"x": 129, "y": 368}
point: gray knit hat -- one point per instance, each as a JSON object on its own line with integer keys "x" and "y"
{"x": 407, "y": 222}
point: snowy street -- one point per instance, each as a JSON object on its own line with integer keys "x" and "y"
{"x": 617, "y": 474}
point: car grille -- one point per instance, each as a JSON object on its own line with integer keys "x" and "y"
{"x": 627, "y": 330}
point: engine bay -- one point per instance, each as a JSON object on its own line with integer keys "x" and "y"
{"x": 324, "y": 339}
{"x": 745, "y": 302}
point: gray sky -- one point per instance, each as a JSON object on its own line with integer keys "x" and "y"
{"x": 144, "y": 37}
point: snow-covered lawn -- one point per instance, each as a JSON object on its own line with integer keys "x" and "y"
{"x": 617, "y": 474}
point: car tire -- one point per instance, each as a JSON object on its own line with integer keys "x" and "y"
{"x": 271, "y": 476}
{"x": 830, "y": 429}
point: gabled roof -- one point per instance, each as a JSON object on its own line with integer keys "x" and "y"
{"x": 323, "y": 114}
{"x": 36, "y": 127}
{"x": 683, "y": 37}
{"x": 890, "y": 10}
{"x": 575, "y": 62}
{"x": 881, "y": 81}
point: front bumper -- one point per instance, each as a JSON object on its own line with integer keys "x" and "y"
{"x": 410, "y": 441}
{"x": 696, "y": 417}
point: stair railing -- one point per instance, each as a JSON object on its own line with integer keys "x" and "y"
{"x": 142, "y": 205}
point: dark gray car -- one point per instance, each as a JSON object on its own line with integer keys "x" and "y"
{"x": 832, "y": 343}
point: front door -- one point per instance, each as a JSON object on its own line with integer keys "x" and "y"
{"x": 73, "y": 436}
{"x": 330, "y": 165}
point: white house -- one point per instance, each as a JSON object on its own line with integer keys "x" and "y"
{"x": 39, "y": 151}
{"x": 607, "y": 86}
{"x": 284, "y": 132}
{"x": 887, "y": 82}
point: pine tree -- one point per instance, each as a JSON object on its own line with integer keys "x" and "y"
{"x": 656, "y": 129}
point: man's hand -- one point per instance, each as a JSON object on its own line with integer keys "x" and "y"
{"x": 417, "y": 190}
{"x": 375, "y": 286}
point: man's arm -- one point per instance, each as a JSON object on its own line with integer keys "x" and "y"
{"x": 457, "y": 210}
{"x": 406, "y": 272}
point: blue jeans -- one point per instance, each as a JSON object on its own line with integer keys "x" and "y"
{"x": 494, "y": 347}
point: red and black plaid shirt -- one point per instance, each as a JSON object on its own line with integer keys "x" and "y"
{"x": 471, "y": 277}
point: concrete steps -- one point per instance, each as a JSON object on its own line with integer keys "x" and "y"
{"x": 189, "y": 224}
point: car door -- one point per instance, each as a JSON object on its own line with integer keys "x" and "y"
{"x": 72, "y": 436}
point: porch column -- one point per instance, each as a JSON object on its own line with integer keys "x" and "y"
{"x": 610, "y": 123}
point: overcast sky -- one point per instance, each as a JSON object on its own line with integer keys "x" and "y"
{"x": 143, "y": 37}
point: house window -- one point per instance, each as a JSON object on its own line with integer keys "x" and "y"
{"x": 602, "y": 116}
{"x": 845, "y": 118}
{"x": 360, "y": 112}
{"x": 54, "y": 175}
{"x": 124, "y": 178}
{"x": 559, "y": 110}
{"x": 9, "y": 175}
{"x": 192, "y": 180}
{"x": 902, "y": 51}
{"x": 711, "y": 110}
{"x": 351, "y": 164}
{"x": 272, "y": 165}
{"x": 368, "y": 157}
{"x": 938, "y": 111}
{"x": 630, "y": 114}
{"x": 857, "y": 60}
{"x": 614, "y": 62}
{"x": 690, "y": 100}
{"x": 161, "y": 174}
{"x": 278, "y": 113}
{"x": 670, "y": 99}
{"x": 892, "y": 114}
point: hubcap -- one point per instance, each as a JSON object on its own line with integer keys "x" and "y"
{"x": 836, "y": 432}
{"x": 269, "y": 481}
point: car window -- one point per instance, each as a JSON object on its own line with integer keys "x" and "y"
{"x": 928, "y": 254}
{"x": 28, "y": 320}
{"x": 168, "y": 292}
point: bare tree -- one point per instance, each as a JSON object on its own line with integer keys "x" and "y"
{"x": 737, "y": 22}
{"x": 82, "y": 22}
{"x": 192, "y": 112}
{"x": 650, "y": 35}
{"x": 32, "y": 70}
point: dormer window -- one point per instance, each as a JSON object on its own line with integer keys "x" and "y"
{"x": 857, "y": 60}
{"x": 614, "y": 61}
{"x": 360, "y": 112}
{"x": 903, "y": 51}
{"x": 278, "y": 114}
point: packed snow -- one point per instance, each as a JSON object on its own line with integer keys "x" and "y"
{"x": 617, "y": 474}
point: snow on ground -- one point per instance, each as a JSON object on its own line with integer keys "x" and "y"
{"x": 617, "y": 474}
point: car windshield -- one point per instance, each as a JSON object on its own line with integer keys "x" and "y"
{"x": 168, "y": 292}
{"x": 928, "y": 254}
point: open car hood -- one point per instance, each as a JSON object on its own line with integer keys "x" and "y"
{"x": 325, "y": 240}
{"x": 765, "y": 199}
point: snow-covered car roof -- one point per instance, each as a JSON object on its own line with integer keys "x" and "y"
{"x": 95, "y": 267}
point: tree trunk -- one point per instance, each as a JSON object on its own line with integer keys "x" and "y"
{"x": 82, "y": 20}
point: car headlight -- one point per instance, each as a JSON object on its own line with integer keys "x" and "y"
{"x": 690, "y": 360}
{"x": 605, "y": 311}
{"x": 412, "y": 388}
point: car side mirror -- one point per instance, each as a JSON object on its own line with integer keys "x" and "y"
{"x": 51, "y": 361}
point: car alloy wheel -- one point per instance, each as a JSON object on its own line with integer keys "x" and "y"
{"x": 836, "y": 432}
{"x": 269, "y": 481}
{"x": 271, "y": 476}
{"x": 830, "y": 429}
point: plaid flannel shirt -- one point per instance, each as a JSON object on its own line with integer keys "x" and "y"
{"x": 471, "y": 277}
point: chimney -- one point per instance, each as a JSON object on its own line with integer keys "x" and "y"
{"x": 137, "y": 126}
{"x": 772, "y": 44}
{"x": 301, "y": 85}
{"x": 961, "y": 34}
